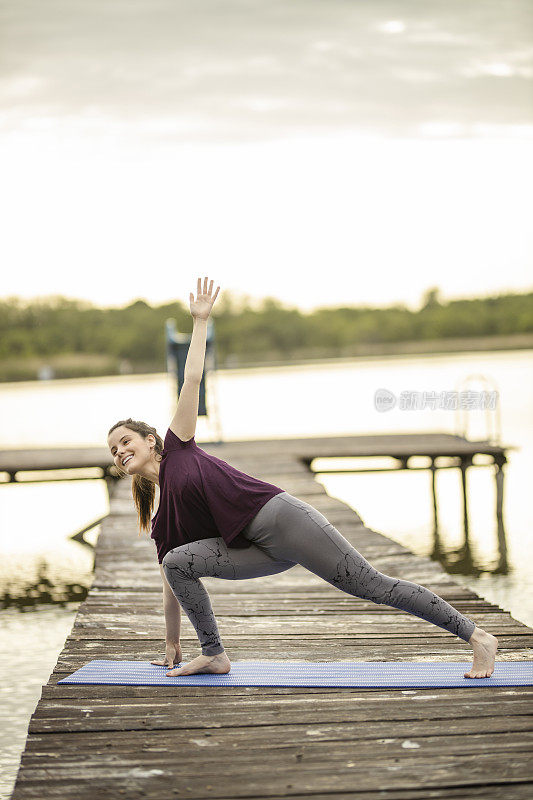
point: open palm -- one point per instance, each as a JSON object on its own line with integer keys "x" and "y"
{"x": 201, "y": 307}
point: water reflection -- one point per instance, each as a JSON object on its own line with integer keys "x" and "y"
{"x": 460, "y": 561}
{"x": 44, "y": 590}
{"x": 49, "y": 559}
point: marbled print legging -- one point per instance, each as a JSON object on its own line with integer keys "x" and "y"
{"x": 287, "y": 531}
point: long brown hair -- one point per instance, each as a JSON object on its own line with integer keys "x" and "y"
{"x": 142, "y": 489}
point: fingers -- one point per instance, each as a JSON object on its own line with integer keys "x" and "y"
{"x": 205, "y": 291}
{"x": 167, "y": 663}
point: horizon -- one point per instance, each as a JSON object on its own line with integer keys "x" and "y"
{"x": 254, "y": 303}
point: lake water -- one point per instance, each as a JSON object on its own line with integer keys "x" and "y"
{"x": 331, "y": 398}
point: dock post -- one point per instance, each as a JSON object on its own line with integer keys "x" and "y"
{"x": 503, "y": 566}
{"x": 436, "y": 553}
{"x": 433, "y": 469}
{"x": 465, "y": 463}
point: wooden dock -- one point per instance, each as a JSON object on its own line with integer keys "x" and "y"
{"x": 271, "y": 742}
{"x": 441, "y": 451}
{"x": 400, "y": 446}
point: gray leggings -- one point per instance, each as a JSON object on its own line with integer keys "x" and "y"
{"x": 287, "y": 531}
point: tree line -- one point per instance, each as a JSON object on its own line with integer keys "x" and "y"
{"x": 78, "y": 338}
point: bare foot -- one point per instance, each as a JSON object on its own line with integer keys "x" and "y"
{"x": 219, "y": 664}
{"x": 485, "y": 646}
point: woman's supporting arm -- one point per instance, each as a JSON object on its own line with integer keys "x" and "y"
{"x": 172, "y": 610}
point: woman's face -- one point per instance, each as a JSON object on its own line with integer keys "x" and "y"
{"x": 129, "y": 449}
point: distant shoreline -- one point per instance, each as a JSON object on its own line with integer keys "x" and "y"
{"x": 74, "y": 365}
{"x": 418, "y": 348}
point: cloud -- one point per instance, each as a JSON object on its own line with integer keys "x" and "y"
{"x": 221, "y": 70}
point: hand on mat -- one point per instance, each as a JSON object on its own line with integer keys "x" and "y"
{"x": 201, "y": 307}
{"x": 173, "y": 656}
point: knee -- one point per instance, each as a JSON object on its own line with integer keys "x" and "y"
{"x": 175, "y": 562}
{"x": 170, "y": 562}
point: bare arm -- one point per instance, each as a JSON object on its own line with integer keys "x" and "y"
{"x": 184, "y": 421}
{"x": 172, "y": 610}
{"x": 194, "y": 365}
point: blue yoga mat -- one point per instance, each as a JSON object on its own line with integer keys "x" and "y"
{"x": 416, "y": 674}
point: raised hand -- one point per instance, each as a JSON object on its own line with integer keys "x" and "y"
{"x": 201, "y": 307}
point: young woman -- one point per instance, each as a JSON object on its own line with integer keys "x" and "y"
{"x": 214, "y": 520}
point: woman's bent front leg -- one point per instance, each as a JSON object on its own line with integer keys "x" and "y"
{"x": 185, "y": 565}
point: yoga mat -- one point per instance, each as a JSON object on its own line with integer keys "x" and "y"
{"x": 415, "y": 674}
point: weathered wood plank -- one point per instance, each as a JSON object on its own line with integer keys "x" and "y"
{"x": 271, "y": 778}
{"x": 453, "y": 734}
{"x": 310, "y": 753}
{"x": 212, "y": 711}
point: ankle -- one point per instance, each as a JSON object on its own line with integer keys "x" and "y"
{"x": 477, "y": 634}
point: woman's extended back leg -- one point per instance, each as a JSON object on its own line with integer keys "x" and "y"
{"x": 289, "y": 528}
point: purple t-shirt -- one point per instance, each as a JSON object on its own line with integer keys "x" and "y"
{"x": 201, "y": 496}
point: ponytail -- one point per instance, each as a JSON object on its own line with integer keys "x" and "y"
{"x": 143, "y": 492}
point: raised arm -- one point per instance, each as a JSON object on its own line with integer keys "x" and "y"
{"x": 184, "y": 421}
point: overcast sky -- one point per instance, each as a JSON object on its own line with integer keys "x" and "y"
{"x": 322, "y": 153}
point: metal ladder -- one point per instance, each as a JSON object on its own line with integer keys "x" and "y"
{"x": 493, "y": 420}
